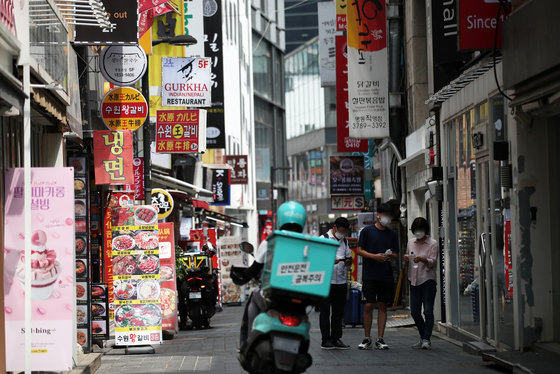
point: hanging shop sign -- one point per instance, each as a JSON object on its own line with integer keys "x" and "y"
{"x": 123, "y": 65}
{"x": 167, "y": 274}
{"x": 123, "y": 14}
{"x": 163, "y": 201}
{"x": 221, "y": 186}
{"x": 341, "y": 15}
{"x": 113, "y": 154}
{"x": 215, "y": 125}
{"x": 138, "y": 186}
{"x": 194, "y": 26}
{"x": 136, "y": 282}
{"x": 239, "y": 173}
{"x": 144, "y": 5}
{"x": 124, "y": 108}
{"x": 327, "y": 31}
{"x": 347, "y": 202}
{"x": 344, "y": 143}
{"x": 478, "y": 22}
{"x": 52, "y": 274}
{"x": 99, "y": 311}
{"x": 186, "y": 81}
{"x": 181, "y": 131}
{"x": 347, "y": 174}
{"x": 368, "y": 92}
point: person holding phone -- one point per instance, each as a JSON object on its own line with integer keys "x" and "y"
{"x": 332, "y": 308}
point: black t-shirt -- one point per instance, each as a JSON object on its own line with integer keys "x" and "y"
{"x": 373, "y": 240}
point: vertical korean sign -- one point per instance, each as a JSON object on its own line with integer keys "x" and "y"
{"x": 136, "y": 275}
{"x": 168, "y": 293}
{"x": 52, "y": 269}
{"x": 327, "y": 30}
{"x": 239, "y": 174}
{"x": 113, "y": 154}
{"x": 367, "y": 70}
{"x": 344, "y": 143}
{"x": 138, "y": 172}
{"x": 215, "y": 126}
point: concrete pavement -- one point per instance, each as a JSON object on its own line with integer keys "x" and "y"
{"x": 215, "y": 351}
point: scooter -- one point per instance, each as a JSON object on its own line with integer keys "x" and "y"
{"x": 198, "y": 288}
{"x": 279, "y": 340}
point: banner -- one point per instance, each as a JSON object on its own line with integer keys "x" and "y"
{"x": 239, "y": 174}
{"x": 343, "y": 141}
{"x": 215, "y": 124}
{"x": 167, "y": 276}
{"x": 52, "y": 269}
{"x": 230, "y": 254}
{"x": 368, "y": 72}
{"x": 136, "y": 282}
{"x": 341, "y": 15}
{"x": 221, "y": 186}
{"x": 181, "y": 131}
{"x": 113, "y": 154}
{"x": 138, "y": 186}
{"x": 194, "y": 26}
{"x": 347, "y": 175}
{"x": 327, "y": 30}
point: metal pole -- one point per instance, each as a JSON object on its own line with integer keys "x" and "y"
{"x": 146, "y": 140}
{"x": 272, "y": 201}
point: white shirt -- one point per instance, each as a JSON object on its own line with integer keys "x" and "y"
{"x": 340, "y": 271}
{"x": 261, "y": 252}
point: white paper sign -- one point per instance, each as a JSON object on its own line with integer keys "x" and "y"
{"x": 186, "y": 82}
{"x": 327, "y": 51}
{"x": 123, "y": 65}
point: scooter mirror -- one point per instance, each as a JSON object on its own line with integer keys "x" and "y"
{"x": 247, "y": 247}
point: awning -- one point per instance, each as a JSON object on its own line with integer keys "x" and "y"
{"x": 201, "y": 204}
{"x": 74, "y": 12}
{"x": 412, "y": 157}
{"x": 170, "y": 182}
{"x": 223, "y": 218}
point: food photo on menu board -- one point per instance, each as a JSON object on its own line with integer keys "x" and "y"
{"x": 127, "y": 240}
{"x": 99, "y": 315}
{"x": 135, "y": 264}
{"x": 144, "y": 215}
{"x": 137, "y": 289}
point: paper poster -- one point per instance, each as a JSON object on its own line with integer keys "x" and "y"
{"x": 167, "y": 276}
{"x": 53, "y": 269}
{"x": 230, "y": 254}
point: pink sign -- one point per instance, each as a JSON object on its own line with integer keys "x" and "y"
{"x": 53, "y": 269}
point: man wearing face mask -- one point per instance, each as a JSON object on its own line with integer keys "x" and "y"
{"x": 378, "y": 245}
{"x": 422, "y": 252}
{"x": 332, "y": 308}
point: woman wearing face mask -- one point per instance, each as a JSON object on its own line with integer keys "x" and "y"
{"x": 421, "y": 256}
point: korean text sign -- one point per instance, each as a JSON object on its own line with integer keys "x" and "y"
{"x": 368, "y": 93}
{"x": 221, "y": 186}
{"x": 327, "y": 30}
{"x": 52, "y": 274}
{"x": 347, "y": 174}
{"x": 124, "y": 108}
{"x": 186, "y": 81}
{"x": 181, "y": 131}
{"x": 113, "y": 154}
{"x": 344, "y": 143}
{"x": 239, "y": 174}
{"x": 136, "y": 282}
{"x": 167, "y": 274}
{"x": 138, "y": 172}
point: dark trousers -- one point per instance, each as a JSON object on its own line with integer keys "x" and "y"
{"x": 424, "y": 294}
{"x": 332, "y": 312}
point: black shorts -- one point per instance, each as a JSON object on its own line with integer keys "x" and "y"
{"x": 376, "y": 291}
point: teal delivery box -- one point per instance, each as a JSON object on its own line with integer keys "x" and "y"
{"x": 299, "y": 263}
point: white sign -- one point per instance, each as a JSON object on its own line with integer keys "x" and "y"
{"x": 194, "y": 26}
{"x": 123, "y": 65}
{"x": 186, "y": 81}
{"x": 293, "y": 268}
{"x": 327, "y": 50}
{"x": 314, "y": 277}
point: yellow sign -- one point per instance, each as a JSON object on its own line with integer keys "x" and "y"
{"x": 124, "y": 108}
{"x": 163, "y": 201}
{"x": 194, "y": 262}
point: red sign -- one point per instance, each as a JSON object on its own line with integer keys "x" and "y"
{"x": 113, "y": 153}
{"x": 340, "y": 15}
{"x": 178, "y": 131}
{"x": 124, "y": 108}
{"x": 343, "y": 141}
{"x": 144, "y": 5}
{"x": 508, "y": 265}
{"x": 477, "y": 24}
{"x": 347, "y": 202}
{"x": 239, "y": 164}
{"x": 138, "y": 186}
{"x": 7, "y": 14}
{"x": 167, "y": 274}
{"x": 266, "y": 230}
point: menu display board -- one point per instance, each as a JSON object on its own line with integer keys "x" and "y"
{"x": 99, "y": 311}
{"x": 167, "y": 276}
{"x": 136, "y": 286}
{"x": 230, "y": 254}
{"x": 83, "y": 258}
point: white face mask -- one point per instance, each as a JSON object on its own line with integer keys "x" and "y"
{"x": 338, "y": 235}
{"x": 385, "y": 221}
{"x": 419, "y": 234}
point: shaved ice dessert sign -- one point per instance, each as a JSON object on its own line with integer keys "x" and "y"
{"x": 52, "y": 269}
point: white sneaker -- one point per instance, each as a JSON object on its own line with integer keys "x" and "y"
{"x": 366, "y": 344}
{"x": 426, "y": 344}
{"x": 380, "y": 344}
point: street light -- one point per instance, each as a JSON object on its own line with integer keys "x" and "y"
{"x": 177, "y": 40}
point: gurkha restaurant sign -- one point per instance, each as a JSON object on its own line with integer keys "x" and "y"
{"x": 221, "y": 186}
{"x": 179, "y": 131}
{"x": 113, "y": 154}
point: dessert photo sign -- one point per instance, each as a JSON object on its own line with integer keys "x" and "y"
{"x": 52, "y": 269}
